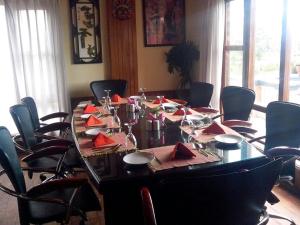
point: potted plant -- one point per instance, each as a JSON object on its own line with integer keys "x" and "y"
{"x": 180, "y": 60}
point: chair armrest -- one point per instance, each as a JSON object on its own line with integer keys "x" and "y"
{"x": 16, "y": 139}
{"x": 230, "y": 123}
{"x": 54, "y": 127}
{"x": 282, "y": 151}
{"x": 243, "y": 129}
{"x": 205, "y": 110}
{"x": 52, "y": 142}
{"x": 257, "y": 139}
{"x": 50, "y": 186}
{"x": 54, "y": 115}
{"x": 45, "y": 152}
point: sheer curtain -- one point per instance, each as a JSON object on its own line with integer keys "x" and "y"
{"x": 211, "y": 20}
{"x": 31, "y": 60}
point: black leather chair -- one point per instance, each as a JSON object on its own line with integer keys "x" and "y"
{"x": 226, "y": 199}
{"x": 237, "y": 103}
{"x": 42, "y": 153}
{"x": 55, "y": 200}
{"x": 200, "y": 94}
{"x": 148, "y": 209}
{"x": 39, "y": 127}
{"x": 116, "y": 87}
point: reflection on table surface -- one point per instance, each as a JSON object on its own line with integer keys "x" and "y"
{"x": 112, "y": 168}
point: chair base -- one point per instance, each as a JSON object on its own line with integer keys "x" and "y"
{"x": 282, "y": 218}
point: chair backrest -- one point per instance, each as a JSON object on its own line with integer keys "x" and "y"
{"x": 237, "y": 102}
{"x": 30, "y": 103}
{"x": 200, "y": 94}
{"x": 22, "y": 118}
{"x": 148, "y": 210}
{"x": 116, "y": 87}
{"x": 226, "y": 199}
{"x": 282, "y": 124}
{"x": 10, "y": 162}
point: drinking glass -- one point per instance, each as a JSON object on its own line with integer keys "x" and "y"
{"x": 116, "y": 118}
{"x": 143, "y": 96}
{"x": 160, "y": 98}
{"x": 130, "y": 136}
{"x": 108, "y": 99}
{"x": 185, "y": 121}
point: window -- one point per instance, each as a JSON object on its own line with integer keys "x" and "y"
{"x": 234, "y": 42}
{"x": 270, "y": 51}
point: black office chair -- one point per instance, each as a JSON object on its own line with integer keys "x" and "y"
{"x": 237, "y": 103}
{"x": 63, "y": 127}
{"x": 116, "y": 87}
{"x": 55, "y": 200}
{"x": 200, "y": 94}
{"x": 41, "y": 155}
{"x": 226, "y": 199}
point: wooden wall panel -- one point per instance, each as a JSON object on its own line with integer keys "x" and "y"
{"x": 123, "y": 48}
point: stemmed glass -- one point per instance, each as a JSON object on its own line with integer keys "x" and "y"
{"x": 185, "y": 121}
{"x": 130, "y": 136}
{"x": 108, "y": 100}
{"x": 116, "y": 118}
{"x": 143, "y": 96}
{"x": 160, "y": 98}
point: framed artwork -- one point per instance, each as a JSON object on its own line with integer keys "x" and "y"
{"x": 86, "y": 37}
{"x": 164, "y": 22}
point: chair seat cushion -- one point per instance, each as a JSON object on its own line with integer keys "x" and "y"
{"x": 40, "y": 212}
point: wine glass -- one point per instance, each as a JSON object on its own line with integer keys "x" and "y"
{"x": 130, "y": 136}
{"x": 116, "y": 118}
{"x": 185, "y": 121}
{"x": 160, "y": 98}
{"x": 108, "y": 99}
{"x": 143, "y": 96}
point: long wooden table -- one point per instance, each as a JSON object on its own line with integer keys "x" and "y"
{"x": 120, "y": 184}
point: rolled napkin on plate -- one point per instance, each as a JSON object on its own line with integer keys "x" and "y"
{"x": 102, "y": 140}
{"x": 180, "y": 112}
{"x": 90, "y": 109}
{"x": 115, "y": 98}
{"x": 181, "y": 152}
{"x": 214, "y": 128}
{"x": 93, "y": 121}
{"x": 157, "y": 101}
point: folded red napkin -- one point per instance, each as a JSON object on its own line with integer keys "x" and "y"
{"x": 156, "y": 101}
{"x": 205, "y": 110}
{"x": 214, "y": 128}
{"x": 89, "y": 109}
{"x": 92, "y": 121}
{"x": 101, "y": 140}
{"x": 130, "y": 101}
{"x": 115, "y": 98}
{"x": 180, "y": 112}
{"x": 181, "y": 152}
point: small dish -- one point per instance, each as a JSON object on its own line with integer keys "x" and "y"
{"x": 82, "y": 105}
{"x": 170, "y": 105}
{"x": 229, "y": 139}
{"x": 194, "y": 117}
{"x": 85, "y": 116}
{"x": 92, "y": 132}
{"x": 138, "y": 158}
{"x": 135, "y": 97}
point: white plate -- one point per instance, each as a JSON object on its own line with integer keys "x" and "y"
{"x": 92, "y": 132}
{"x": 228, "y": 139}
{"x": 170, "y": 105}
{"x": 138, "y": 158}
{"x": 82, "y": 105}
{"x": 85, "y": 116}
{"x": 194, "y": 117}
{"x": 136, "y": 97}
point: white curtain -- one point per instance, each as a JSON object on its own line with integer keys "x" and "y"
{"x": 211, "y": 19}
{"x": 32, "y": 60}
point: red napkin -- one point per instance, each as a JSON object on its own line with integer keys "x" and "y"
{"x": 180, "y": 112}
{"x": 101, "y": 140}
{"x": 89, "y": 109}
{"x": 181, "y": 152}
{"x": 214, "y": 128}
{"x": 115, "y": 98}
{"x": 205, "y": 110}
{"x": 92, "y": 121}
{"x": 156, "y": 101}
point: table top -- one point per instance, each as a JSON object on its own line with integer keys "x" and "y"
{"x": 110, "y": 169}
